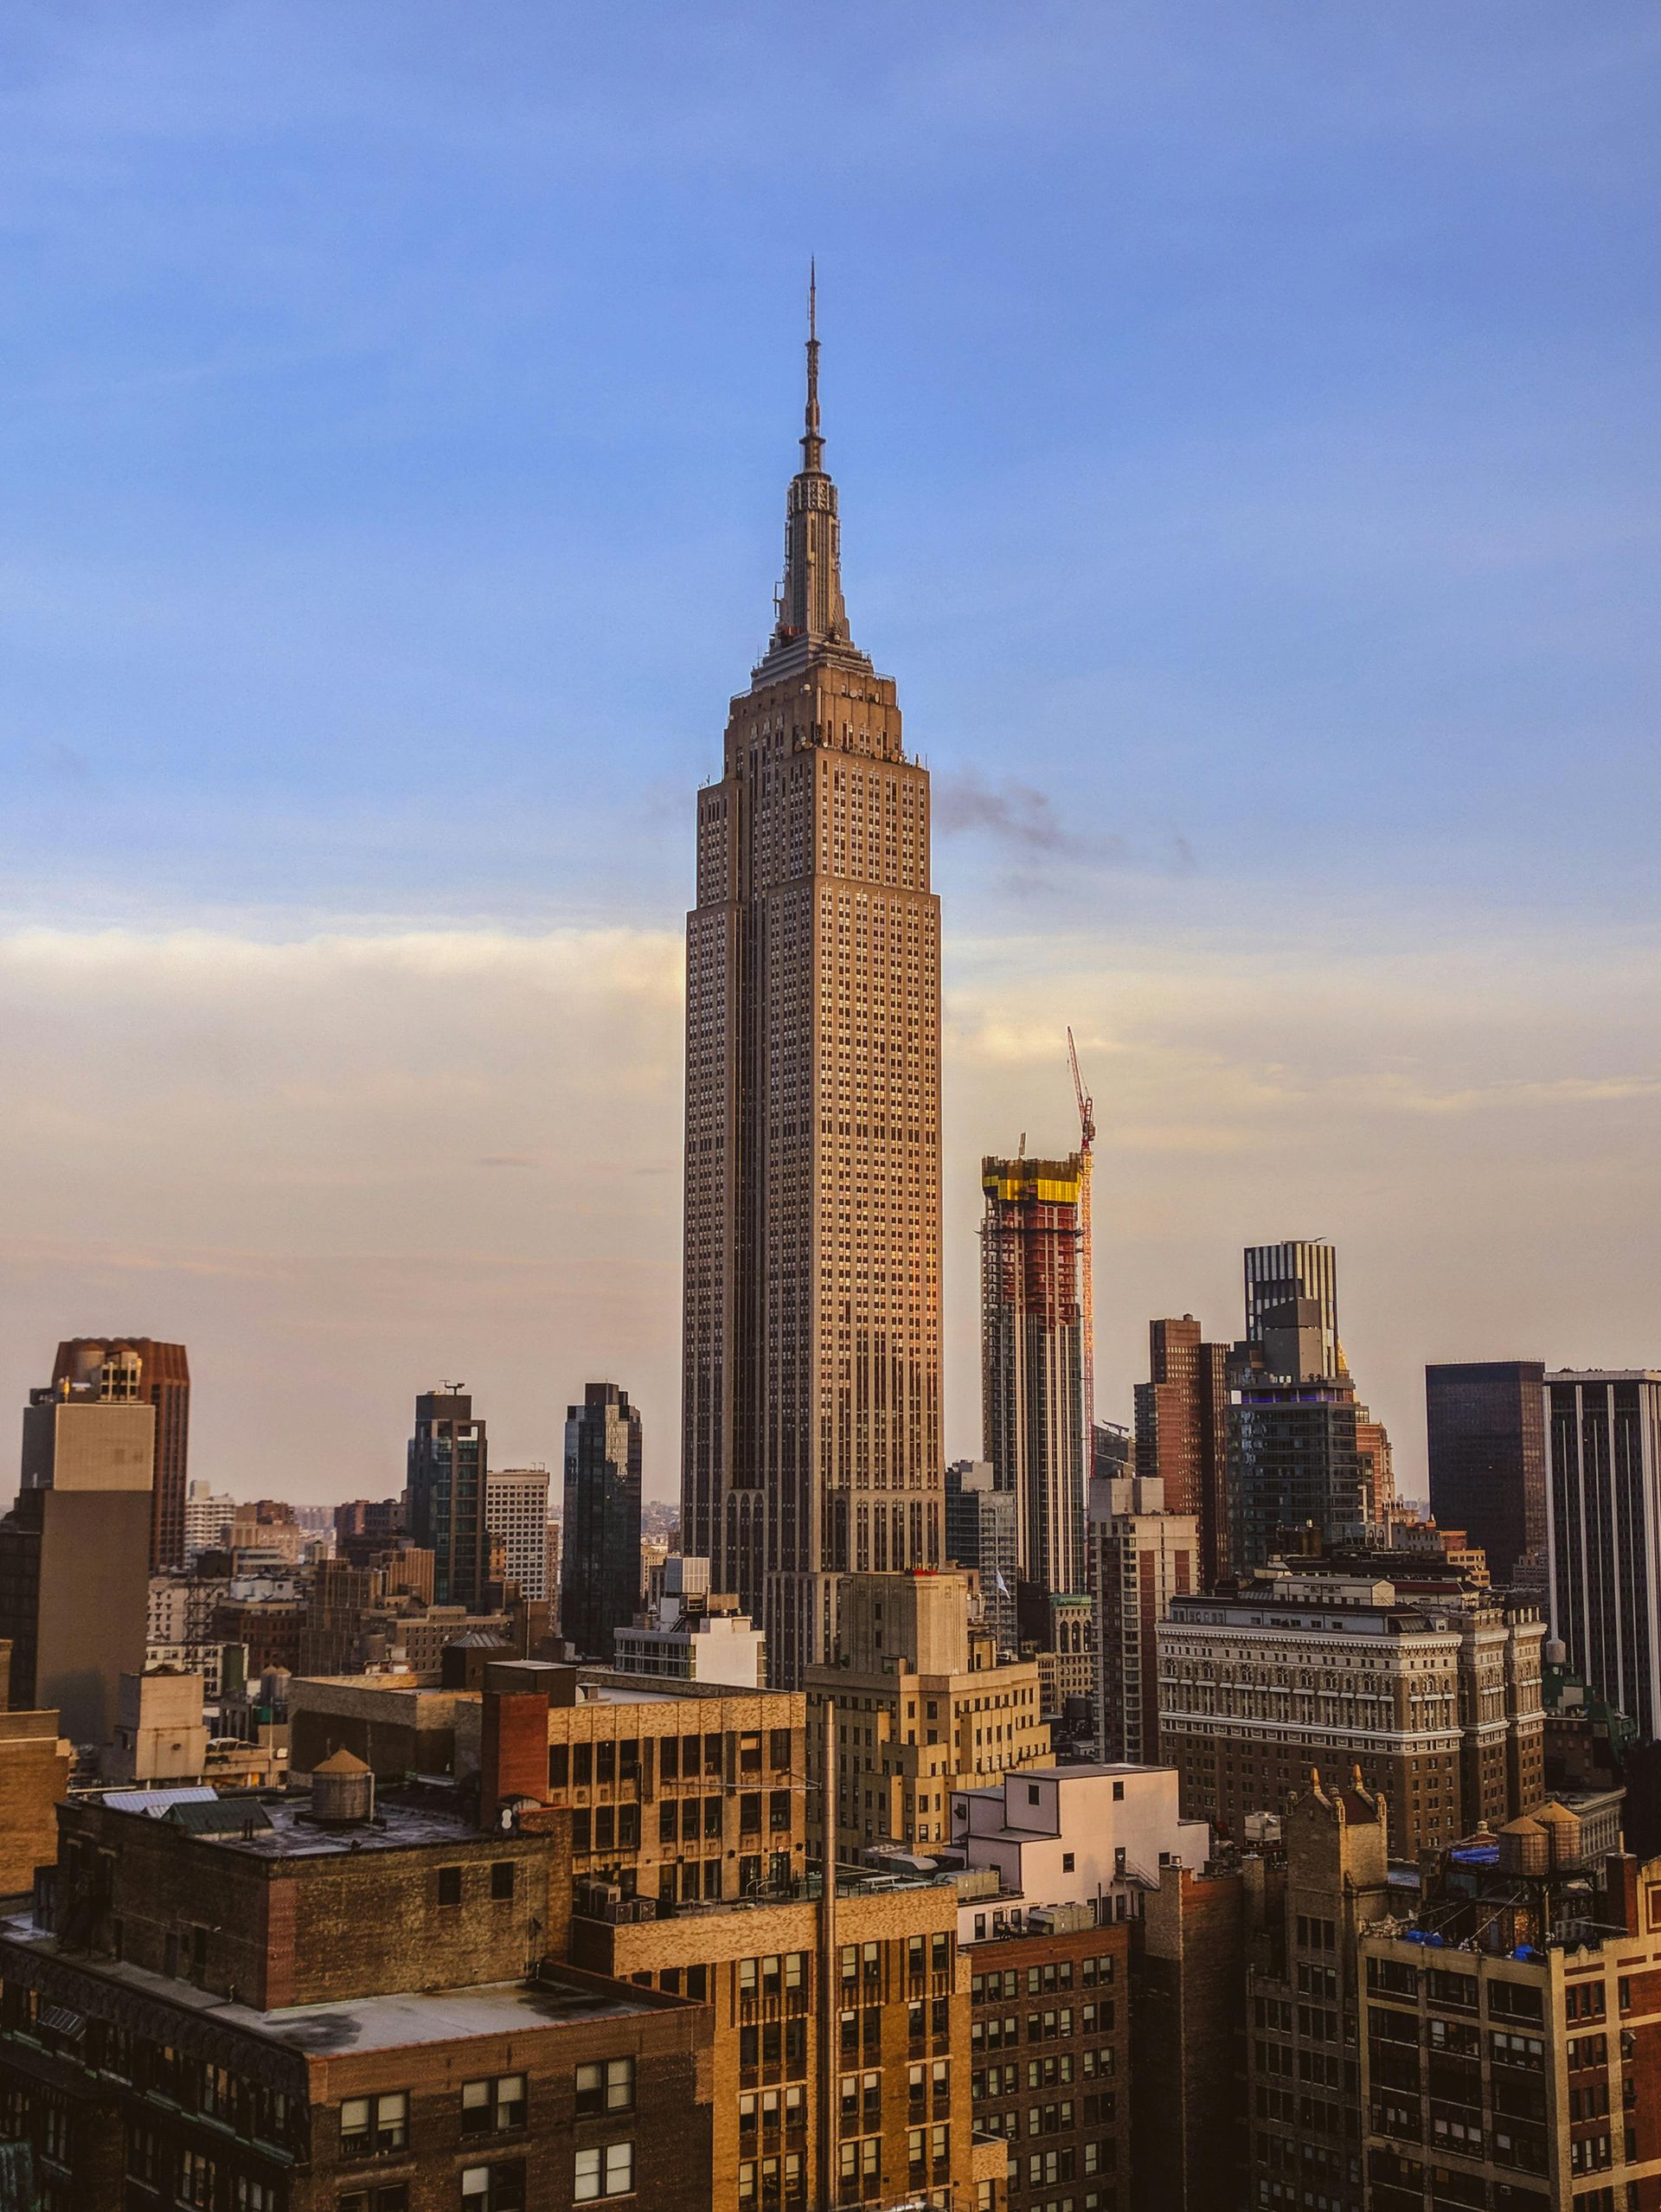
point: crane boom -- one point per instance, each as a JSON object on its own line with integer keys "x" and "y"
{"x": 1087, "y": 1253}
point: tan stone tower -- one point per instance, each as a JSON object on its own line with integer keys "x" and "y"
{"x": 812, "y": 1405}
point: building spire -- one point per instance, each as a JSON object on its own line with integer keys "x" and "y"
{"x": 812, "y": 443}
{"x": 811, "y": 612}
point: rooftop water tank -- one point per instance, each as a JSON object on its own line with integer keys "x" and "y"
{"x": 342, "y": 1791}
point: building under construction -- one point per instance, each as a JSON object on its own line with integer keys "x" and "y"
{"x": 1033, "y": 1392}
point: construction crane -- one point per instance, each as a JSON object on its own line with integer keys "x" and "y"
{"x": 1087, "y": 1254}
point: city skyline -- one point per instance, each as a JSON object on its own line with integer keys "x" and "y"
{"x": 1261, "y": 622}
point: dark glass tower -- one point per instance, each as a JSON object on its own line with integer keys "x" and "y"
{"x": 447, "y": 1496}
{"x": 1485, "y": 1428}
{"x": 599, "y": 1571}
{"x": 1306, "y": 1458}
{"x": 982, "y": 1525}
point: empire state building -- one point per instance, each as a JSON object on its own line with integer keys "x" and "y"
{"x": 812, "y": 1385}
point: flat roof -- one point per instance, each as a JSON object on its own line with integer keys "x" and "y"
{"x": 1085, "y": 1771}
{"x": 371, "y": 2024}
{"x": 293, "y": 1834}
{"x": 425, "y": 1679}
{"x": 343, "y": 2026}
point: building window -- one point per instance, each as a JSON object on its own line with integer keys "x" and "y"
{"x": 449, "y": 1885}
{"x": 502, "y": 1876}
{"x": 391, "y": 2196}
{"x": 606, "y": 2085}
{"x": 1067, "y": 1861}
{"x": 492, "y": 2106}
{"x": 371, "y": 2124}
{"x": 607, "y": 2171}
{"x": 251, "y": 2195}
{"x": 493, "y": 2189}
{"x": 197, "y": 2175}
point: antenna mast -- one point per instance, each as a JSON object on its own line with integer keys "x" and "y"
{"x": 1087, "y": 1254}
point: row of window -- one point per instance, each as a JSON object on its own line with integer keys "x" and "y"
{"x": 452, "y": 1884}
{"x": 379, "y": 2126}
{"x": 247, "y": 2108}
{"x": 1055, "y": 1974}
{"x": 204, "y": 2180}
{"x": 863, "y": 1962}
{"x": 601, "y": 1764}
{"x": 1000, "y": 2033}
{"x": 1055, "y": 2069}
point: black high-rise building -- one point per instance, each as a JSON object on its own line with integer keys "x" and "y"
{"x": 1295, "y": 1466}
{"x": 1305, "y": 1459}
{"x": 982, "y": 1532}
{"x": 447, "y": 1460}
{"x": 600, "y": 1565}
{"x": 1485, "y": 1428}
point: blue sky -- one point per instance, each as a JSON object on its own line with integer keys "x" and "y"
{"x": 1246, "y": 424}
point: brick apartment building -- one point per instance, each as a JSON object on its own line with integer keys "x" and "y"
{"x": 1512, "y": 2047}
{"x": 695, "y": 1796}
{"x": 34, "y": 1768}
{"x": 1188, "y": 2059}
{"x": 256, "y": 2006}
{"x": 1303, "y": 2000}
{"x": 1050, "y": 2059}
{"x": 838, "y": 2062}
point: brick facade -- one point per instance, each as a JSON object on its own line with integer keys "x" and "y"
{"x": 1050, "y": 2060}
{"x": 296, "y": 2017}
{"x": 866, "y": 2021}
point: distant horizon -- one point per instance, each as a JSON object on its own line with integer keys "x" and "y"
{"x": 1246, "y": 431}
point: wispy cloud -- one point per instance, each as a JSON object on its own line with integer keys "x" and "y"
{"x": 383, "y": 1155}
{"x": 1014, "y": 813}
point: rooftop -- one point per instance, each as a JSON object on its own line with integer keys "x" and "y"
{"x": 555, "y": 1997}
{"x": 1083, "y": 1771}
{"x": 281, "y": 1827}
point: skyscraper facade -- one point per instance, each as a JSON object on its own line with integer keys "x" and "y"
{"x": 1485, "y": 1434}
{"x": 74, "y": 1585}
{"x": 811, "y": 1386}
{"x": 1603, "y": 1476}
{"x": 1296, "y": 1467}
{"x": 515, "y": 1514}
{"x": 1032, "y": 1360}
{"x": 980, "y": 1533}
{"x": 1305, "y": 1458}
{"x": 599, "y": 1570}
{"x": 1295, "y": 1286}
{"x": 139, "y": 1368}
{"x": 448, "y": 1459}
{"x": 1181, "y": 1432}
{"x": 1140, "y": 1557}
